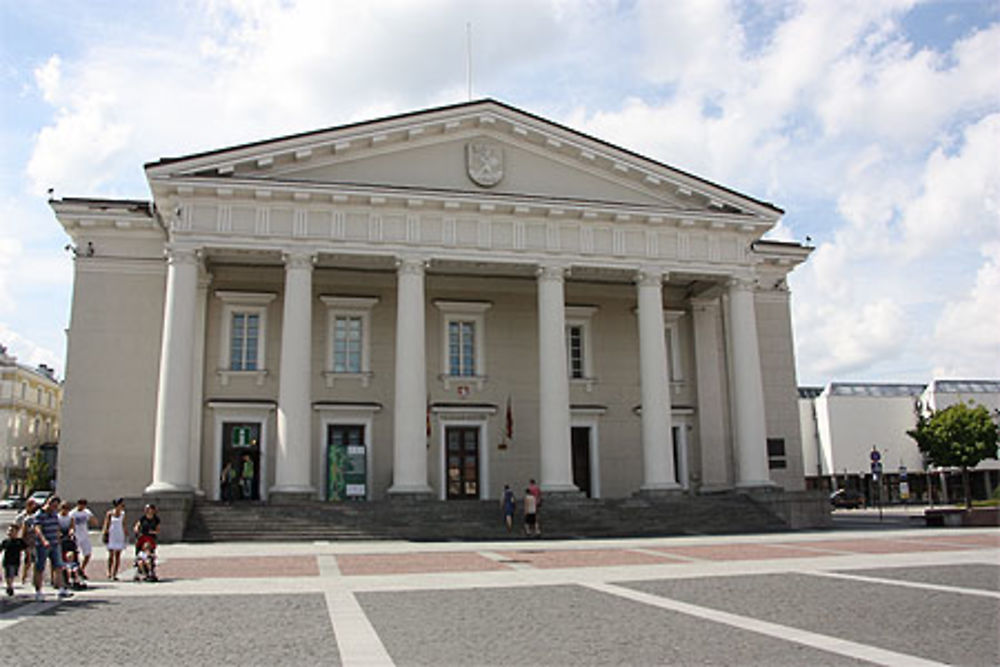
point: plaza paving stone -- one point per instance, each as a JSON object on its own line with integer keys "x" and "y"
{"x": 175, "y": 630}
{"x": 373, "y": 564}
{"x": 982, "y": 577}
{"x": 724, "y": 552}
{"x": 238, "y": 566}
{"x": 562, "y": 625}
{"x": 943, "y": 626}
{"x": 550, "y": 559}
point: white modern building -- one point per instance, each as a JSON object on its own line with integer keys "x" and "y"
{"x": 30, "y": 405}
{"x": 844, "y": 421}
{"x": 429, "y": 304}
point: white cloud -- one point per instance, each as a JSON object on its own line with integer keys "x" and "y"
{"x": 967, "y": 336}
{"x": 47, "y": 77}
{"x": 28, "y": 352}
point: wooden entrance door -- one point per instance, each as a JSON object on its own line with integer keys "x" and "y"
{"x": 580, "y": 439}
{"x": 462, "y": 462}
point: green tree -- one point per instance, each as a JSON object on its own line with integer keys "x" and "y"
{"x": 959, "y": 436}
{"x": 38, "y": 476}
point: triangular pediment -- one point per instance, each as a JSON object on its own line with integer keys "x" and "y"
{"x": 515, "y": 154}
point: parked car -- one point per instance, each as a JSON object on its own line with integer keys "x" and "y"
{"x": 847, "y": 499}
{"x": 40, "y": 497}
{"x": 11, "y": 503}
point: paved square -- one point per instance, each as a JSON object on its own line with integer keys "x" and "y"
{"x": 893, "y": 597}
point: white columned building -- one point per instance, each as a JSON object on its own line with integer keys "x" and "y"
{"x": 173, "y": 407}
{"x": 409, "y": 471}
{"x": 553, "y": 382}
{"x": 551, "y": 259}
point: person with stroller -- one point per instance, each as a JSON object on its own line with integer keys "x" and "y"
{"x": 146, "y": 530}
{"x": 145, "y": 559}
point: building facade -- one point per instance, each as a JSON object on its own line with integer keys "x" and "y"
{"x": 30, "y": 405}
{"x": 843, "y": 421}
{"x": 431, "y": 304}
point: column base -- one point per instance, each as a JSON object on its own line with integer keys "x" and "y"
{"x": 570, "y": 490}
{"x": 763, "y": 486}
{"x": 661, "y": 490}
{"x": 168, "y": 488}
{"x": 410, "y": 493}
{"x": 291, "y": 495}
{"x": 173, "y": 508}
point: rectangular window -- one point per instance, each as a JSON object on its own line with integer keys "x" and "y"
{"x": 776, "y": 453}
{"x": 574, "y": 348}
{"x": 243, "y": 341}
{"x": 462, "y": 348}
{"x": 347, "y": 343}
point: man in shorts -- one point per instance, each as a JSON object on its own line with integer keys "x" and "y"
{"x": 48, "y": 547}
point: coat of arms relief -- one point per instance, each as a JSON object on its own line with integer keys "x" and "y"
{"x": 484, "y": 162}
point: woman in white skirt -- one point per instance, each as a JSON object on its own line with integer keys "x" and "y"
{"x": 113, "y": 535}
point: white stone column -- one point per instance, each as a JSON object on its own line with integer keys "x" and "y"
{"x": 553, "y": 381}
{"x": 292, "y": 465}
{"x": 171, "y": 449}
{"x": 409, "y": 469}
{"x": 749, "y": 428}
{"x": 657, "y": 435}
{"x": 708, "y": 356}
{"x": 197, "y": 380}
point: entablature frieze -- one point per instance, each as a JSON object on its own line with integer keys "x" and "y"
{"x": 467, "y": 236}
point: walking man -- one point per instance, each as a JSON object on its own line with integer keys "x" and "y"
{"x": 48, "y": 547}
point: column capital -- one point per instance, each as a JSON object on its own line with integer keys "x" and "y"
{"x": 745, "y": 283}
{"x": 189, "y": 256}
{"x": 555, "y": 272}
{"x": 298, "y": 259}
{"x": 411, "y": 265}
{"x": 651, "y": 277}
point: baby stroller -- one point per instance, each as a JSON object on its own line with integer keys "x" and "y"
{"x": 145, "y": 559}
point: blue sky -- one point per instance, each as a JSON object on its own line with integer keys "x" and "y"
{"x": 875, "y": 125}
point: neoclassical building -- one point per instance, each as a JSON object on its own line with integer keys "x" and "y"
{"x": 434, "y": 304}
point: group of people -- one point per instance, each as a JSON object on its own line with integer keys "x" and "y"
{"x": 57, "y": 534}
{"x": 532, "y": 504}
{"x": 236, "y": 480}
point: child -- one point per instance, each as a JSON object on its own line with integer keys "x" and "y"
{"x": 145, "y": 559}
{"x": 72, "y": 566}
{"x": 12, "y": 548}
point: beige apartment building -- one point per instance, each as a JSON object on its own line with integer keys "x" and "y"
{"x": 430, "y": 304}
{"x": 30, "y": 404}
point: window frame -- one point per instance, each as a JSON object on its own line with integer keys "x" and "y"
{"x": 581, "y": 316}
{"x": 464, "y": 311}
{"x": 254, "y": 303}
{"x": 672, "y": 335}
{"x": 777, "y": 461}
{"x": 348, "y": 306}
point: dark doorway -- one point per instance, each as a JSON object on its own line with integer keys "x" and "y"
{"x": 241, "y": 450}
{"x": 346, "y": 462}
{"x": 462, "y": 462}
{"x": 580, "y": 439}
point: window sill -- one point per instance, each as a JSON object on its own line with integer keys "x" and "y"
{"x": 332, "y": 377}
{"x": 225, "y": 375}
{"x": 463, "y": 381}
{"x": 586, "y": 383}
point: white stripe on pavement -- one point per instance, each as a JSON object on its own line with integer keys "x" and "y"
{"x": 782, "y": 632}
{"x": 357, "y": 640}
{"x": 901, "y": 582}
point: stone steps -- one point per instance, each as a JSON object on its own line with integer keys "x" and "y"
{"x": 477, "y": 520}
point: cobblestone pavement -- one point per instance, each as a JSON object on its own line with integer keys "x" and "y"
{"x": 905, "y": 597}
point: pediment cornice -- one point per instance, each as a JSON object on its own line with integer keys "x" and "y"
{"x": 275, "y": 159}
